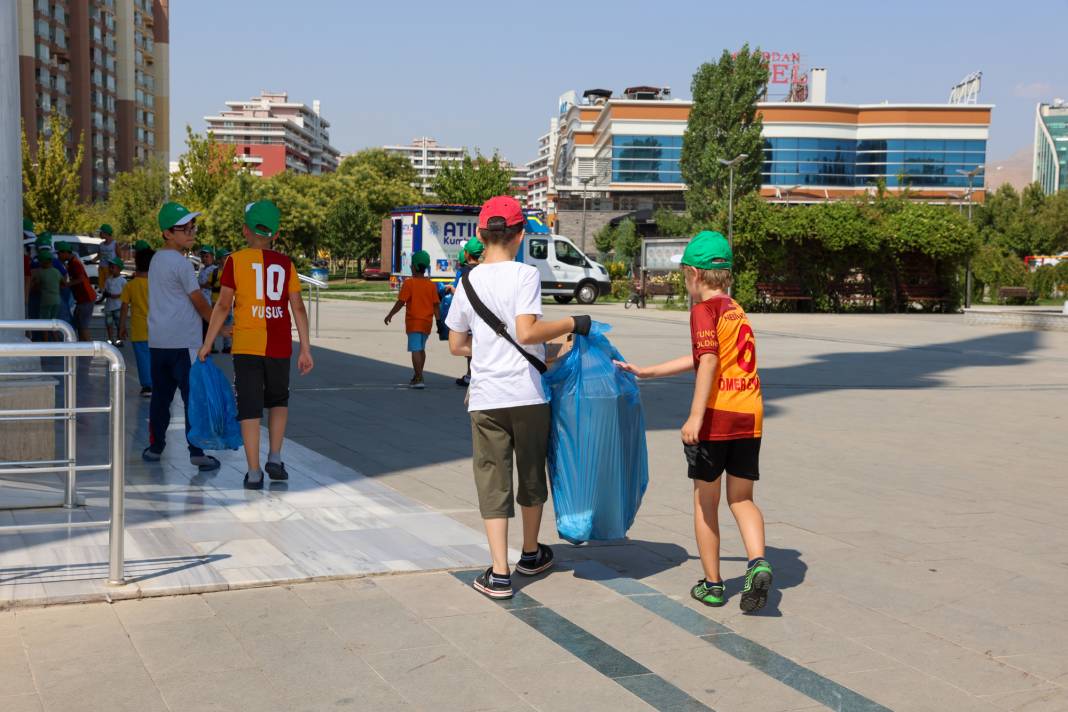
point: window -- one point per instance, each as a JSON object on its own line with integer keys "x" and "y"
{"x": 568, "y": 254}
{"x": 538, "y": 248}
{"x": 111, "y": 82}
{"x": 646, "y": 159}
{"x": 43, "y": 29}
{"x": 60, "y": 38}
{"x": 43, "y": 53}
{"x": 98, "y": 77}
{"x": 97, "y": 34}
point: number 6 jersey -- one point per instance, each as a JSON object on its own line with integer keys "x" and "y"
{"x": 262, "y": 281}
{"x": 718, "y": 326}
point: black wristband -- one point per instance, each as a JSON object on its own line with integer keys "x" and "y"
{"x": 582, "y": 325}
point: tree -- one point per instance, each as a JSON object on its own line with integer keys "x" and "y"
{"x": 134, "y": 201}
{"x": 1051, "y": 225}
{"x": 51, "y": 178}
{"x": 605, "y": 239}
{"x": 221, "y": 223}
{"x": 724, "y": 123}
{"x": 203, "y": 170}
{"x": 387, "y": 166}
{"x": 628, "y": 243}
{"x": 473, "y": 181}
{"x": 352, "y": 231}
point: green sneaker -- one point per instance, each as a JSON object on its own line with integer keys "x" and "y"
{"x": 708, "y": 594}
{"x": 757, "y": 585}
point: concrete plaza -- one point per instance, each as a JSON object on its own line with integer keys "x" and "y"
{"x": 914, "y": 475}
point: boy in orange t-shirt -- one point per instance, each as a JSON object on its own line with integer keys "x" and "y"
{"x": 420, "y": 296}
{"x": 725, "y": 424}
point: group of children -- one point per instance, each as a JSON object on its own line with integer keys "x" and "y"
{"x": 510, "y": 415}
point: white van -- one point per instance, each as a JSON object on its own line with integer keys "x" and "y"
{"x": 566, "y": 272}
{"x": 87, "y": 248}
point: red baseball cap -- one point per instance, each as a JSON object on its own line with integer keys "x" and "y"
{"x": 501, "y": 206}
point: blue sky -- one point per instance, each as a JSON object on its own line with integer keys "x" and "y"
{"x": 487, "y": 75}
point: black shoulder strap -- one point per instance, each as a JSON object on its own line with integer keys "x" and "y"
{"x": 497, "y": 325}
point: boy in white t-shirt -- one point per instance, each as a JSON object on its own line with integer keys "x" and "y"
{"x": 509, "y": 411}
{"x": 113, "y": 286}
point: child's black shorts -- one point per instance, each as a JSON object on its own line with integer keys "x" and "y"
{"x": 709, "y": 458}
{"x": 260, "y": 382}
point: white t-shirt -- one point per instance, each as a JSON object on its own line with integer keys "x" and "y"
{"x": 114, "y": 285}
{"x": 173, "y": 321}
{"x": 500, "y": 376}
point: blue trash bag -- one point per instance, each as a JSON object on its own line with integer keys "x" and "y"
{"x": 212, "y": 411}
{"x": 443, "y": 331}
{"x": 598, "y": 462}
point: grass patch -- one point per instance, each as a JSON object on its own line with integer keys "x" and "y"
{"x": 360, "y": 296}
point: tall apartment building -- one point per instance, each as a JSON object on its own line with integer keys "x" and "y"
{"x": 427, "y": 157}
{"x": 271, "y": 134}
{"x": 104, "y": 66}
{"x": 1051, "y": 146}
{"x": 520, "y": 180}
{"x": 539, "y": 173}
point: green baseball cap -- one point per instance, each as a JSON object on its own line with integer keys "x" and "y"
{"x": 117, "y": 261}
{"x": 420, "y": 259}
{"x": 141, "y": 245}
{"x": 44, "y": 252}
{"x": 262, "y": 217}
{"x": 474, "y": 248}
{"x": 221, "y": 253}
{"x": 174, "y": 215}
{"x": 707, "y": 250}
{"x": 205, "y": 250}
{"x": 106, "y": 229}
{"x": 63, "y": 247}
{"x": 27, "y": 225}
{"x": 44, "y": 240}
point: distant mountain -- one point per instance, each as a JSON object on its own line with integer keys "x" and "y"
{"x": 1015, "y": 170}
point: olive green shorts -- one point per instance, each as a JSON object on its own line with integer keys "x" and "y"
{"x": 497, "y": 436}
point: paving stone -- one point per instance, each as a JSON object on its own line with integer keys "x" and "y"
{"x": 440, "y": 677}
{"x": 222, "y": 691}
{"x": 21, "y": 703}
{"x": 375, "y": 622}
{"x": 147, "y": 611}
{"x": 165, "y": 647}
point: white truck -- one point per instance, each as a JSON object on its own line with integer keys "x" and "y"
{"x": 441, "y": 230}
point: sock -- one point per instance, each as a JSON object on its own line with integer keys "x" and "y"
{"x": 529, "y": 557}
{"x": 504, "y": 580}
{"x": 255, "y": 475}
{"x": 275, "y": 458}
{"x": 753, "y": 562}
{"x": 712, "y": 583}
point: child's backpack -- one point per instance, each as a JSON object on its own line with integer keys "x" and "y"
{"x": 598, "y": 462}
{"x": 212, "y": 411}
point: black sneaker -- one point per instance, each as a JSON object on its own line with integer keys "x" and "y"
{"x": 542, "y": 562}
{"x": 253, "y": 484}
{"x": 485, "y": 585}
{"x": 276, "y": 470}
{"x": 757, "y": 585}
{"x": 146, "y": 392}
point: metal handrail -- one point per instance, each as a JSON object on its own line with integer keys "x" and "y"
{"x": 70, "y": 375}
{"x": 316, "y": 285}
{"x": 117, "y": 371}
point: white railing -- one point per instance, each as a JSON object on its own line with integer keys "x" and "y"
{"x": 314, "y": 286}
{"x": 69, "y": 351}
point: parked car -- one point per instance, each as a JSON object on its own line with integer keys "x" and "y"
{"x": 374, "y": 274}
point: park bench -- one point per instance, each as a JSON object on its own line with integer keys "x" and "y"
{"x": 854, "y": 289}
{"x": 926, "y": 293}
{"x": 773, "y": 293}
{"x": 646, "y": 285}
{"x": 1017, "y": 295}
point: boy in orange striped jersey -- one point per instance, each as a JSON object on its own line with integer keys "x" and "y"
{"x": 725, "y": 424}
{"x": 262, "y": 287}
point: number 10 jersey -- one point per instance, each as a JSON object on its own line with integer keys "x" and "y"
{"x": 262, "y": 281}
{"x": 735, "y": 409}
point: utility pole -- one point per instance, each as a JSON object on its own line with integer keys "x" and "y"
{"x": 730, "y": 195}
{"x": 11, "y": 280}
{"x": 968, "y": 265}
{"x": 585, "y": 184}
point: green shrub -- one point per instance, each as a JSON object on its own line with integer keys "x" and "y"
{"x": 620, "y": 288}
{"x": 745, "y": 290}
{"x": 617, "y": 270}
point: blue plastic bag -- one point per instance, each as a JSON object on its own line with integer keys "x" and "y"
{"x": 212, "y": 411}
{"x": 598, "y": 462}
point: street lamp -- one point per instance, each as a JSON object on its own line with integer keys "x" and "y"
{"x": 968, "y": 266}
{"x": 585, "y": 183}
{"x": 730, "y": 200}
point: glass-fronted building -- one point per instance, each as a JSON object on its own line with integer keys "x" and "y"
{"x": 848, "y": 163}
{"x": 1051, "y": 146}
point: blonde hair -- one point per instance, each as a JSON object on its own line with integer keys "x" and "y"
{"x": 720, "y": 279}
